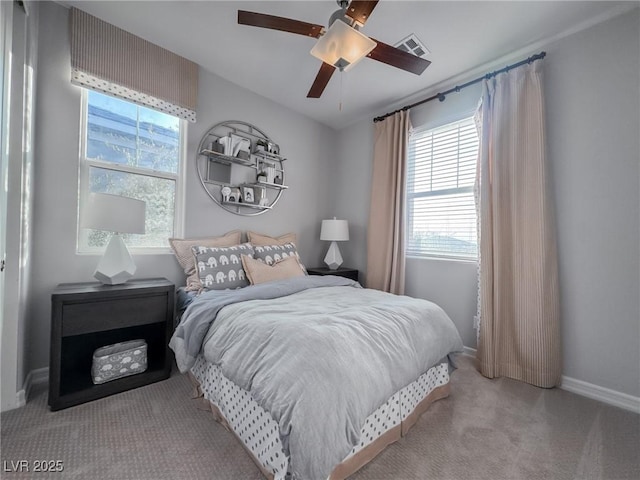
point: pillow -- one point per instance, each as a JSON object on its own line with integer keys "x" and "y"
{"x": 260, "y": 239}
{"x": 271, "y": 254}
{"x": 220, "y": 268}
{"x": 258, "y": 272}
{"x": 184, "y": 255}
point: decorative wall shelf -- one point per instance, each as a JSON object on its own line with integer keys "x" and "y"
{"x": 240, "y": 168}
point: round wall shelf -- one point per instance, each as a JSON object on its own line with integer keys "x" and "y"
{"x": 240, "y": 168}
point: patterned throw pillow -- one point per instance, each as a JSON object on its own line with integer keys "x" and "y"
{"x": 182, "y": 250}
{"x": 270, "y": 254}
{"x": 220, "y": 268}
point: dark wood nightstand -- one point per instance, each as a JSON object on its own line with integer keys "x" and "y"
{"x": 86, "y": 316}
{"x": 351, "y": 273}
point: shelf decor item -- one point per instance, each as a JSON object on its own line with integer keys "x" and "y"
{"x": 119, "y": 360}
{"x": 116, "y": 214}
{"x": 334, "y": 231}
{"x": 234, "y": 195}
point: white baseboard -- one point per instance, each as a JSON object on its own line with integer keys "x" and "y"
{"x": 589, "y": 390}
{"x": 469, "y": 352}
{"x": 602, "y": 394}
{"x": 21, "y": 399}
{"x": 35, "y": 377}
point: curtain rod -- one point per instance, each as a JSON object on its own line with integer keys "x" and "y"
{"x": 442, "y": 96}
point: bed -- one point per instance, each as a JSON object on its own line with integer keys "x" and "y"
{"x": 315, "y": 375}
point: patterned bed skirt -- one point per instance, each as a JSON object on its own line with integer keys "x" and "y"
{"x": 258, "y": 432}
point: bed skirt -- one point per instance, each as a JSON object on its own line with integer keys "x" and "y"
{"x": 259, "y": 433}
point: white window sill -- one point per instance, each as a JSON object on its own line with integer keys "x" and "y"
{"x": 442, "y": 258}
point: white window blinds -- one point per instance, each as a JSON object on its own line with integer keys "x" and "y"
{"x": 441, "y": 214}
{"x": 118, "y": 63}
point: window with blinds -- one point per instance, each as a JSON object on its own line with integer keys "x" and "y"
{"x": 441, "y": 213}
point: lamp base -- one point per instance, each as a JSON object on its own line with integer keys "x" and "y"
{"x": 116, "y": 265}
{"x": 333, "y": 259}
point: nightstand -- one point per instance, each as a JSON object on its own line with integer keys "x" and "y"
{"x": 351, "y": 273}
{"x": 86, "y": 316}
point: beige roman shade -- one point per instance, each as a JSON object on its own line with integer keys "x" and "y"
{"x": 116, "y": 62}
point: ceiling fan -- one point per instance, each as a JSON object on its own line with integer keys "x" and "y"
{"x": 341, "y": 45}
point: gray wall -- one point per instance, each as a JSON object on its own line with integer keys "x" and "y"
{"x": 593, "y": 107}
{"x": 307, "y": 144}
{"x": 592, "y": 110}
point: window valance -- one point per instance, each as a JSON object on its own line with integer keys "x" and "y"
{"x": 111, "y": 60}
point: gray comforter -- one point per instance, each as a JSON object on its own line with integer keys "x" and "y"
{"x": 318, "y": 354}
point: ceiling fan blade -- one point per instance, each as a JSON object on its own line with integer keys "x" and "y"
{"x": 361, "y": 10}
{"x": 279, "y": 23}
{"x": 323, "y": 77}
{"x": 397, "y": 58}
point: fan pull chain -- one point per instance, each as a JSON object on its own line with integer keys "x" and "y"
{"x": 340, "y": 104}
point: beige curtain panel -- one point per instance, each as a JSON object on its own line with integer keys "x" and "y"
{"x": 113, "y": 61}
{"x": 385, "y": 241}
{"x": 519, "y": 334}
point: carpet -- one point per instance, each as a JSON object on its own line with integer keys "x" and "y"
{"x": 486, "y": 429}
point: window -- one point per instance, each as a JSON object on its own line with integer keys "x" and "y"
{"x": 441, "y": 214}
{"x": 135, "y": 152}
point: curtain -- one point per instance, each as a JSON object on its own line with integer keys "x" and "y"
{"x": 519, "y": 332}
{"x": 385, "y": 241}
{"x": 118, "y": 63}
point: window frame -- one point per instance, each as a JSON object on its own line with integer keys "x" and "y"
{"x": 410, "y": 196}
{"x": 85, "y": 164}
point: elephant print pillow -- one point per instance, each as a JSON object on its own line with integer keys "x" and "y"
{"x": 271, "y": 254}
{"x": 220, "y": 268}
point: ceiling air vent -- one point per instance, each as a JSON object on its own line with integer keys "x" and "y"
{"x": 412, "y": 45}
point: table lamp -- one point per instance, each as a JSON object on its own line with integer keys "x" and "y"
{"x": 117, "y": 214}
{"x": 334, "y": 231}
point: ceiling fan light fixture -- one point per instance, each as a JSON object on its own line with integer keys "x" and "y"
{"x": 342, "y": 46}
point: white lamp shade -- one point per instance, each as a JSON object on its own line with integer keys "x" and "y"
{"x": 342, "y": 42}
{"x": 114, "y": 213}
{"x": 334, "y": 230}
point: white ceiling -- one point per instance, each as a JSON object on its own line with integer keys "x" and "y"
{"x": 461, "y": 36}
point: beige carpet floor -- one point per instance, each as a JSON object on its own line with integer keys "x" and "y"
{"x": 486, "y": 429}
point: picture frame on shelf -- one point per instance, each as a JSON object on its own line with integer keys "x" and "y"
{"x": 248, "y": 195}
{"x": 218, "y": 172}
